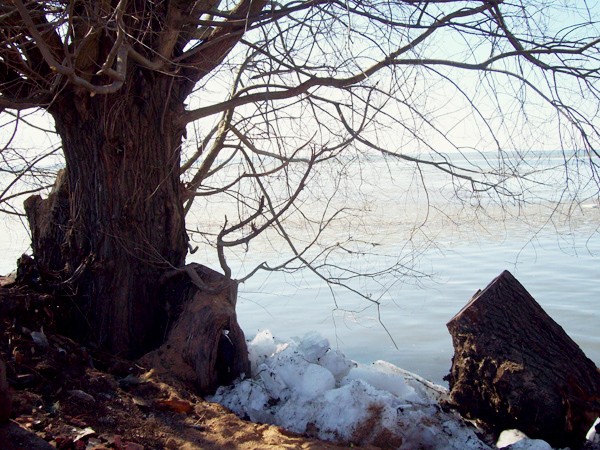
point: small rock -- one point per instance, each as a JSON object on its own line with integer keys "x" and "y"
{"x": 40, "y": 339}
{"x": 81, "y": 395}
{"x": 129, "y": 381}
{"x": 94, "y": 442}
{"x": 141, "y": 403}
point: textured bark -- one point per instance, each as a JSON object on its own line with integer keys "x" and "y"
{"x": 115, "y": 223}
{"x": 515, "y": 367}
{"x": 48, "y": 220}
{"x": 205, "y": 346}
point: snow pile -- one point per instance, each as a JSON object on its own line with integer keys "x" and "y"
{"x": 305, "y": 386}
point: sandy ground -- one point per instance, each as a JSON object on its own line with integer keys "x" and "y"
{"x": 66, "y": 397}
{"x": 149, "y": 415}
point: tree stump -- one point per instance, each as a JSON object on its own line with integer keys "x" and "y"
{"x": 205, "y": 345}
{"x": 515, "y": 367}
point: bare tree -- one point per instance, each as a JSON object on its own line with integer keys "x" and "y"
{"x": 161, "y": 104}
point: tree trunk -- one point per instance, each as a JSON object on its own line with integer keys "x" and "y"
{"x": 125, "y": 221}
{"x": 515, "y": 367}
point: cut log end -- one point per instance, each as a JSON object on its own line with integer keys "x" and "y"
{"x": 515, "y": 367}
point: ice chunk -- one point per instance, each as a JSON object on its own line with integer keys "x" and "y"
{"x": 529, "y": 444}
{"x": 430, "y": 392}
{"x": 272, "y": 382}
{"x": 349, "y": 406}
{"x": 383, "y": 380}
{"x": 313, "y": 346}
{"x": 339, "y": 413}
{"x": 517, "y": 440}
{"x": 336, "y": 363}
{"x": 315, "y": 381}
{"x": 304, "y": 378}
{"x": 261, "y": 347}
{"x": 509, "y": 437}
{"x": 246, "y": 399}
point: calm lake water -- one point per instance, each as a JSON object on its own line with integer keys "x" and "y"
{"x": 563, "y": 280}
{"x": 556, "y": 258}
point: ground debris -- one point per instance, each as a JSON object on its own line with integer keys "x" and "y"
{"x": 68, "y": 397}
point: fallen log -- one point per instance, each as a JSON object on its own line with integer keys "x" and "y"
{"x": 205, "y": 345}
{"x": 515, "y": 367}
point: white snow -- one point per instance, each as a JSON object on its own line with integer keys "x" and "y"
{"x": 517, "y": 440}
{"x": 305, "y": 386}
{"x": 509, "y": 437}
{"x": 593, "y": 435}
{"x": 530, "y": 444}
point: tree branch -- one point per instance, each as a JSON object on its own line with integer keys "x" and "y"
{"x": 205, "y": 57}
